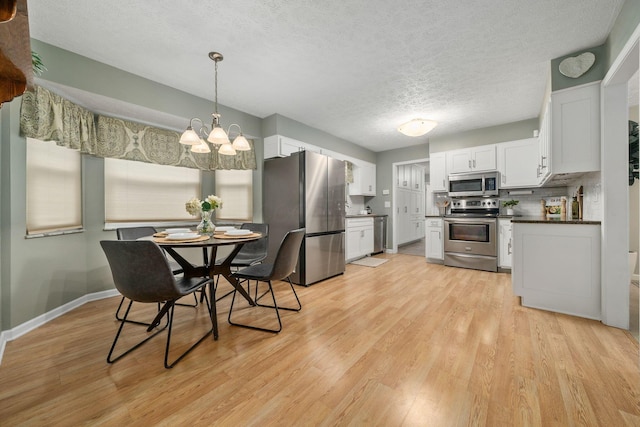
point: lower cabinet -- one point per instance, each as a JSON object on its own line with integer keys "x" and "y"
{"x": 505, "y": 243}
{"x": 359, "y": 238}
{"x": 434, "y": 239}
{"x": 556, "y": 267}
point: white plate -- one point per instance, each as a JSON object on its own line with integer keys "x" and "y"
{"x": 238, "y": 233}
{"x": 177, "y": 230}
{"x": 182, "y": 236}
{"x": 224, "y": 228}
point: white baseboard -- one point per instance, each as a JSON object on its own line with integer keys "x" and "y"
{"x": 18, "y": 331}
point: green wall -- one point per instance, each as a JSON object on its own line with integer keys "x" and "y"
{"x": 489, "y": 135}
{"x": 596, "y": 72}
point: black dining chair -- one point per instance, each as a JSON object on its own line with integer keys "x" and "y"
{"x": 142, "y": 274}
{"x": 134, "y": 233}
{"x": 282, "y": 267}
{"x": 251, "y": 253}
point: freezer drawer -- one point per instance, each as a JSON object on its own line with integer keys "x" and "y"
{"x": 321, "y": 257}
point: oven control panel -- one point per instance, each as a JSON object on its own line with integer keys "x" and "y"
{"x": 475, "y": 203}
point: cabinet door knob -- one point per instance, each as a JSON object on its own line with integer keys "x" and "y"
{"x": 469, "y": 164}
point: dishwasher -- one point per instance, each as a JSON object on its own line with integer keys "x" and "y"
{"x": 379, "y": 234}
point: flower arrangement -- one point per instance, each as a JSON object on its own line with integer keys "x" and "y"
{"x": 204, "y": 208}
{"x": 510, "y": 203}
{"x": 196, "y": 206}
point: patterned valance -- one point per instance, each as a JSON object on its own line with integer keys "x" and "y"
{"x": 47, "y": 116}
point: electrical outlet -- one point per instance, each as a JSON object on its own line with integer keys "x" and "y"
{"x": 387, "y": 204}
{"x": 385, "y": 193}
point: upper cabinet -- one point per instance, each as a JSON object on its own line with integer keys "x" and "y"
{"x": 282, "y": 146}
{"x": 438, "y": 171}
{"x": 411, "y": 177}
{"x": 364, "y": 179}
{"x": 570, "y": 132}
{"x": 518, "y": 163}
{"x": 475, "y": 159}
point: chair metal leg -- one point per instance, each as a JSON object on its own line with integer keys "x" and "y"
{"x": 275, "y": 305}
{"x": 280, "y": 307}
{"x": 113, "y": 346}
{"x": 122, "y": 319}
{"x": 213, "y": 330}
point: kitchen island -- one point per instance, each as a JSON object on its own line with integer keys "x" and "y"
{"x": 556, "y": 265}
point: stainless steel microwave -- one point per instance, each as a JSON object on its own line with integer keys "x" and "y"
{"x": 474, "y": 184}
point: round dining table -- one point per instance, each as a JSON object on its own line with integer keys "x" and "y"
{"x": 209, "y": 247}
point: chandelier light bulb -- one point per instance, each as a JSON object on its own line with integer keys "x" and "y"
{"x": 227, "y": 149}
{"x": 201, "y": 148}
{"x": 189, "y": 137}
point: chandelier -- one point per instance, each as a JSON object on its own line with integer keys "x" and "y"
{"x": 417, "y": 127}
{"x": 216, "y": 135}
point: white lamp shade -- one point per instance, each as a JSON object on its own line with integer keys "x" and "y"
{"x": 201, "y": 148}
{"x": 241, "y": 143}
{"x": 218, "y": 136}
{"x": 189, "y": 137}
{"x": 417, "y": 127}
{"x": 227, "y": 150}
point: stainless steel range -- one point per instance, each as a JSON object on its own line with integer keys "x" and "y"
{"x": 470, "y": 236}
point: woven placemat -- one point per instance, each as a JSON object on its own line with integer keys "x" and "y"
{"x": 165, "y": 240}
{"x": 246, "y": 236}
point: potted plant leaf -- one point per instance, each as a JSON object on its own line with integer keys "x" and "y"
{"x": 509, "y": 204}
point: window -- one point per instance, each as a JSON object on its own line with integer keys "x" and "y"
{"x": 146, "y": 192}
{"x": 54, "y": 188}
{"x": 235, "y": 187}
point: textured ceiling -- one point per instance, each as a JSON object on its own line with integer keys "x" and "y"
{"x": 353, "y": 68}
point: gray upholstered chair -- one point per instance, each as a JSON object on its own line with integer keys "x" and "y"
{"x": 251, "y": 253}
{"x": 134, "y": 233}
{"x": 281, "y": 268}
{"x": 142, "y": 274}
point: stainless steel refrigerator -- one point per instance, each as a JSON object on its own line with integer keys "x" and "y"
{"x": 307, "y": 190}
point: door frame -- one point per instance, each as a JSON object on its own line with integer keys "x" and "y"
{"x": 614, "y": 175}
{"x": 394, "y": 202}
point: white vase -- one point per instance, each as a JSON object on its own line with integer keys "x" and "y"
{"x": 206, "y": 227}
{"x": 510, "y": 211}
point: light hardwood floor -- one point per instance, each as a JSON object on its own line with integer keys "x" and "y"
{"x": 407, "y": 343}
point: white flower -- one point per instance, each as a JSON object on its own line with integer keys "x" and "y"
{"x": 196, "y": 206}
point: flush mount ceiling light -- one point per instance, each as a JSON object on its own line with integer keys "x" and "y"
{"x": 417, "y": 127}
{"x": 217, "y": 135}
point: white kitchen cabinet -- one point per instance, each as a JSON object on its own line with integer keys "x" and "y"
{"x": 518, "y": 163}
{"x": 417, "y": 178}
{"x": 410, "y": 177}
{"x": 364, "y": 179}
{"x": 570, "y": 132}
{"x": 410, "y": 215}
{"x": 438, "y": 171}
{"x": 359, "y": 238}
{"x": 434, "y": 242}
{"x": 544, "y": 145}
{"x": 404, "y": 176}
{"x": 475, "y": 159}
{"x": 505, "y": 243}
{"x": 556, "y": 267}
{"x": 282, "y": 146}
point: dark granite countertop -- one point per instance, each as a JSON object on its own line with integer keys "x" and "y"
{"x": 540, "y": 220}
{"x": 364, "y": 216}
